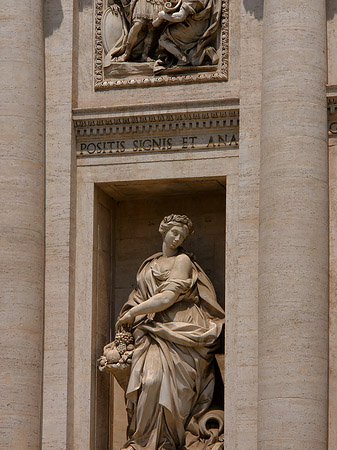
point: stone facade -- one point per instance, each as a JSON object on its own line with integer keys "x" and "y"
{"x": 244, "y": 143}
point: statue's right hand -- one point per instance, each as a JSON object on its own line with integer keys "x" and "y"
{"x": 157, "y": 22}
{"x": 126, "y": 319}
{"x": 160, "y": 19}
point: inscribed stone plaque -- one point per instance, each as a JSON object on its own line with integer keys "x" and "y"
{"x": 107, "y": 137}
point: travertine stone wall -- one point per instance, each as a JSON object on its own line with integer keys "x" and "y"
{"x": 332, "y": 85}
{"x": 103, "y": 415}
{"x": 332, "y": 423}
{"x": 83, "y": 360}
{"x": 22, "y": 222}
{"x": 245, "y": 431}
{"x": 293, "y": 253}
{"x": 60, "y": 55}
{"x": 333, "y": 293}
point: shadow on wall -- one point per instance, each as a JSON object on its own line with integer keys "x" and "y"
{"x": 331, "y": 7}
{"x": 84, "y": 4}
{"x": 53, "y": 16}
{"x": 255, "y": 7}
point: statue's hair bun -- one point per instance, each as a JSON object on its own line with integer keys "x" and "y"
{"x": 175, "y": 219}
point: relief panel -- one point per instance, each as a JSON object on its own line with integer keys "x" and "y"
{"x": 153, "y": 42}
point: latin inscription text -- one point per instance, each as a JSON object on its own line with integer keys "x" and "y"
{"x": 158, "y": 144}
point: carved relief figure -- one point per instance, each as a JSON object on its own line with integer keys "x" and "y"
{"x": 181, "y": 33}
{"x": 175, "y": 322}
{"x": 138, "y": 34}
{"x": 190, "y": 28}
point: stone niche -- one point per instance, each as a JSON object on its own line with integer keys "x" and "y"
{"x": 126, "y": 221}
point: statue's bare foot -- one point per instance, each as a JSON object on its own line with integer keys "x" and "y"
{"x": 158, "y": 66}
{"x": 122, "y": 58}
{"x": 146, "y": 58}
{"x": 212, "y": 54}
{"x": 182, "y": 61}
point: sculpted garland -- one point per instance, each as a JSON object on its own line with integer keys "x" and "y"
{"x": 163, "y": 352}
{"x": 170, "y": 34}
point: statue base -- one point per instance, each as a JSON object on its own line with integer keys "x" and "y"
{"x": 122, "y": 70}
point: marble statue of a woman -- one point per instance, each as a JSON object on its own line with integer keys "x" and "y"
{"x": 176, "y": 321}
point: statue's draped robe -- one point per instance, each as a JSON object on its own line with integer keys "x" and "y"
{"x": 146, "y": 10}
{"x": 193, "y": 36}
{"x": 172, "y": 380}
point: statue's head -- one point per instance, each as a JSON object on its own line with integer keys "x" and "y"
{"x": 176, "y": 220}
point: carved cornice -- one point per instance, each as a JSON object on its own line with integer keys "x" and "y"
{"x": 160, "y": 123}
{"x": 220, "y": 72}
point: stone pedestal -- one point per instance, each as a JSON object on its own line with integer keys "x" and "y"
{"x": 293, "y": 250}
{"x": 22, "y": 222}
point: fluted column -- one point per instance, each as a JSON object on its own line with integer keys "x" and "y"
{"x": 21, "y": 222}
{"x": 293, "y": 241}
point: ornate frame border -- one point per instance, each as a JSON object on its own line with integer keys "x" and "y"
{"x": 221, "y": 74}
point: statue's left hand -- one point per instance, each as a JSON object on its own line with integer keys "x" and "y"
{"x": 125, "y": 319}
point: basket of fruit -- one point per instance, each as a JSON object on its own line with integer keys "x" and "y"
{"x": 117, "y": 357}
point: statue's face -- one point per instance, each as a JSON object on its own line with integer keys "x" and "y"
{"x": 175, "y": 236}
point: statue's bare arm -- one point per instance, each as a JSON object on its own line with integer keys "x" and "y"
{"x": 181, "y": 270}
{"x": 176, "y": 17}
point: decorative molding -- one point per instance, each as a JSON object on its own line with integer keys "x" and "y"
{"x": 332, "y": 115}
{"x": 215, "y": 73}
{"x": 156, "y": 123}
{"x": 332, "y": 104}
{"x": 212, "y": 129}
